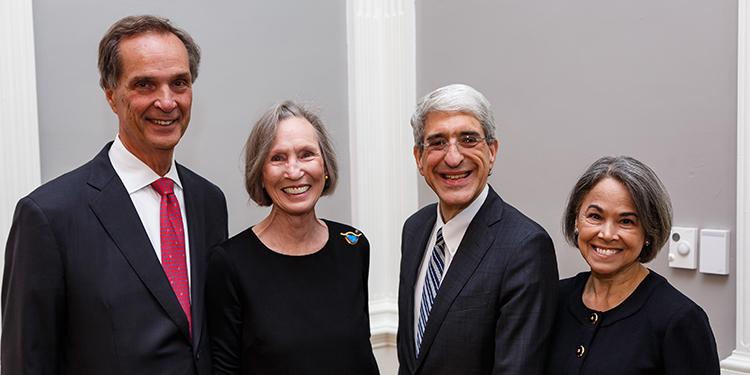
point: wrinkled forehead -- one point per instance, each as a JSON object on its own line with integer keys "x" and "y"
{"x": 442, "y": 123}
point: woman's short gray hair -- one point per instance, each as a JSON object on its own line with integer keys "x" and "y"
{"x": 110, "y": 61}
{"x": 261, "y": 138}
{"x": 453, "y": 98}
{"x": 647, "y": 191}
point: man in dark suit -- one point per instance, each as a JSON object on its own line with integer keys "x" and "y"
{"x": 105, "y": 265}
{"x": 478, "y": 281}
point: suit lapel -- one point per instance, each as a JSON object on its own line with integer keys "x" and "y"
{"x": 472, "y": 249}
{"x": 420, "y": 237}
{"x": 196, "y": 236}
{"x": 120, "y": 220}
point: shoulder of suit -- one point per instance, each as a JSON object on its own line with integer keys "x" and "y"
{"x": 191, "y": 178}
{"x": 63, "y": 189}
{"x": 423, "y": 214}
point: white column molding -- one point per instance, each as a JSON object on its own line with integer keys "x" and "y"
{"x": 739, "y": 361}
{"x": 382, "y": 96}
{"x": 19, "y": 130}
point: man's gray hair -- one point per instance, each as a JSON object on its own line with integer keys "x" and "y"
{"x": 453, "y": 98}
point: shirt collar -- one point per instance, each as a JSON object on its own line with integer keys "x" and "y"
{"x": 133, "y": 172}
{"x": 455, "y": 228}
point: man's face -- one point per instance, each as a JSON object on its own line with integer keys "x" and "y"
{"x": 456, "y": 173}
{"x": 154, "y": 94}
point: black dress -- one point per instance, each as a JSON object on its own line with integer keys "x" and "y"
{"x": 270, "y": 313}
{"x": 656, "y": 330}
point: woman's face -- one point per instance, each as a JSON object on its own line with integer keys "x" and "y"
{"x": 294, "y": 174}
{"x": 610, "y": 234}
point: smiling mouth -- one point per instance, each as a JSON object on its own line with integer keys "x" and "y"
{"x": 455, "y": 176}
{"x": 296, "y": 190}
{"x": 604, "y": 251}
{"x": 162, "y": 122}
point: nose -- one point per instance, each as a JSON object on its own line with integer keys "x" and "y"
{"x": 608, "y": 232}
{"x": 165, "y": 100}
{"x": 453, "y": 156}
{"x": 293, "y": 170}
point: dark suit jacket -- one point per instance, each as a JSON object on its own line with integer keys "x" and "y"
{"x": 495, "y": 305}
{"x": 83, "y": 291}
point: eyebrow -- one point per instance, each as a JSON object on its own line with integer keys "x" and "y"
{"x": 442, "y": 135}
{"x": 624, "y": 214}
{"x": 184, "y": 75}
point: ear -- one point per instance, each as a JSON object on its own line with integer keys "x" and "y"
{"x": 494, "y": 147}
{"x": 418, "y": 158}
{"x": 109, "y": 94}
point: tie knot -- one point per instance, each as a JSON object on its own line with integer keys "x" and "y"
{"x": 164, "y": 186}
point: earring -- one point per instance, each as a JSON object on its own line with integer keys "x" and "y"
{"x": 648, "y": 243}
{"x": 575, "y": 231}
{"x": 326, "y": 177}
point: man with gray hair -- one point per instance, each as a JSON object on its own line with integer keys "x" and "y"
{"x": 105, "y": 265}
{"x": 478, "y": 283}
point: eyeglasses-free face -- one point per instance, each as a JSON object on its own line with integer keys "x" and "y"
{"x": 153, "y": 96}
{"x": 294, "y": 172}
{"x": 610, "y": 235}
{"x": 456, "y": 174}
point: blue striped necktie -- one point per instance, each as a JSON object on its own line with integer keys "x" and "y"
{"x": 432, "y": 280}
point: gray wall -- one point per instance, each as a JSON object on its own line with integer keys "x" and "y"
{"x": 254, "y": 54}
{"x": 570, "y": 81}
{"x": 575, "y": 80}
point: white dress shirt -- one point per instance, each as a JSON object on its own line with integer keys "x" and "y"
{"x": 453, "y": 233}
{"x": 137, "y": 178}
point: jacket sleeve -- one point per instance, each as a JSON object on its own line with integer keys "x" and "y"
{"x": 33, "y": 295}
{"x": 527, "y": 307}
{"x": 689, "y": 346}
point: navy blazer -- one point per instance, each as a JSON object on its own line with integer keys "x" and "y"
{"x": 83, "y": 290}
{"x": 496, "y": 303}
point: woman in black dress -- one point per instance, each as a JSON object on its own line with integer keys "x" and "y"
{"x": 621, "y": 317}
{"x": 289, "y": 295}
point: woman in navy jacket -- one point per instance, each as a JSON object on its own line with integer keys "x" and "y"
{"x": 621, "y": 317}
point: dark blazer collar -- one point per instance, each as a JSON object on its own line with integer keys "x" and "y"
{"x": 112, "y": 205}
{"x": 474, "y": 245}
{"x": 195, "y": 211}
{"x": 631, "y": 305}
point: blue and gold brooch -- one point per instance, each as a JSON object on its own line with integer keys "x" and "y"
{"x": 352, "y": 237}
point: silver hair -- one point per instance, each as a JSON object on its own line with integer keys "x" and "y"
{"x": 453, "y": 98}
{"x": 647, "y": 191}
{"x": 261, "y": 138}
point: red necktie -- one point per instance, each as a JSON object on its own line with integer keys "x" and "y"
{"x": 173, "y": 244}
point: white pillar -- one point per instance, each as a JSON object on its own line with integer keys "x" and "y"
{"x": 382, "y": 97}
{"x": 19, "y": 130}
{"x": 739, "y": 361}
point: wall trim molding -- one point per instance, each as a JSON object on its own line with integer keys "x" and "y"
{"x": 19, "y": 125}
{"x": 382, "y": 95}
{"x": 738, "y": 362}
{"x": 383, "y": 323}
